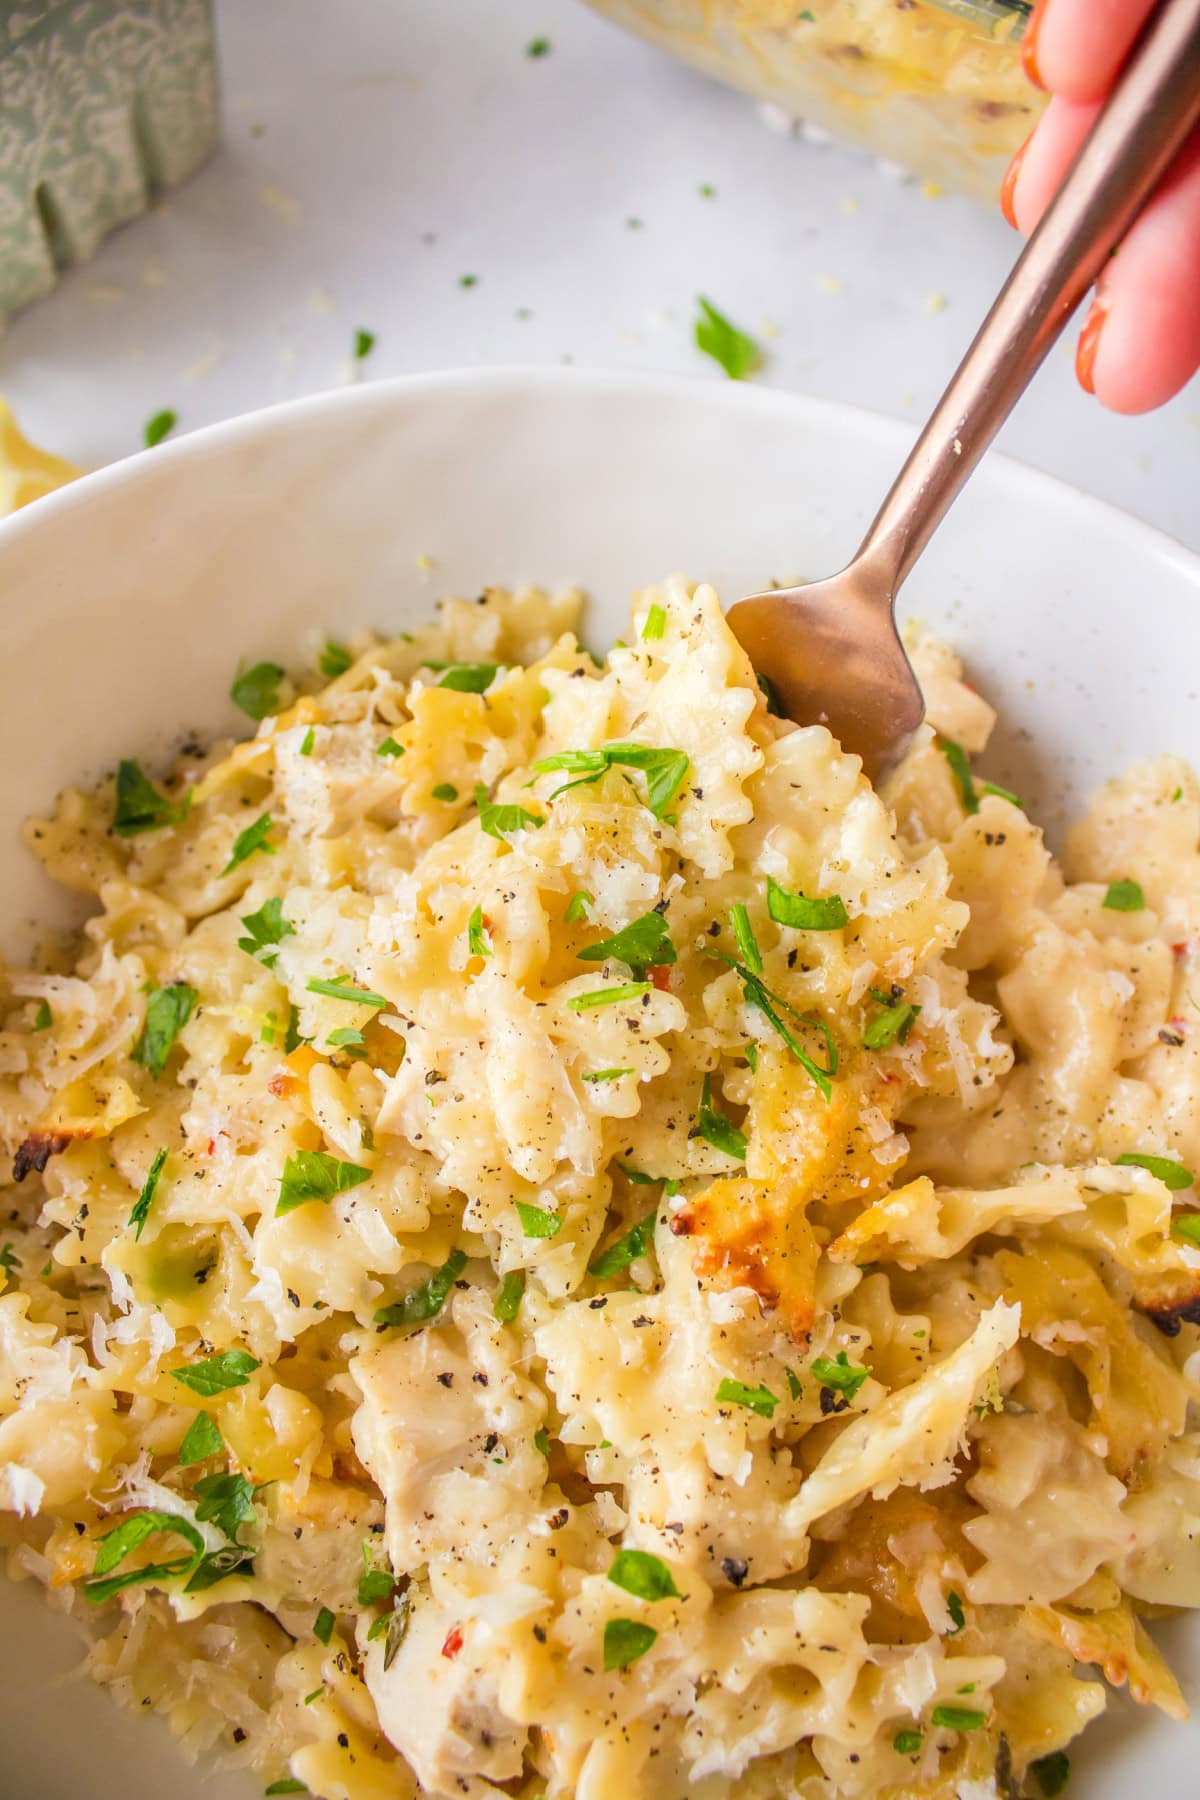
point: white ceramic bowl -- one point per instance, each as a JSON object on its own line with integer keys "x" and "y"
{"x": 129, "y": 598}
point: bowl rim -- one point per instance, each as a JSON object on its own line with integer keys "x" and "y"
{"x": 893, "y": 435}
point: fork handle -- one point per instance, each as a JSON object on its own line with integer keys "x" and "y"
{"x": 1145, "y": 122}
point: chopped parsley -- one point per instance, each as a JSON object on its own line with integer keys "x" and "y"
{"x": 770, "y": 694}
{"x": 804, "y": 914}
{"x": 161, "y": 425}
{"x": 1052, "y": 1772}
{"x": 425, "y": 1302}
{"x": 445, "y": 790}
{"x": 843, "y": 1376}
{"x": 467, "y": 678}
{"x": 892, "y": 1025}
{"x": 468, "y": 281}
{"x": 390, "y": 747}
{"x": 624, "y": 1641}
{"x": 349, "y": 1041}
{"x": 216, "y": 1374}
{"x": 376, "y": 1585}
{"x": 509, "y": 1296}
{"x": 501, "y": 821}
{"x": 364, "y": 343}
{"x": 645, "y": 1576}
{"x": 759, "y": 995}
{"x": 256, "y": 689}
{"x": 43, "y": 1018}
{"x": 664, "y": 769}
{"x": 960, "y": 768}
{"x": 744, "y": 938}
{"x": 8, "y": 1261}
{"x": 140, "y": 806}
{"x": 577, "y": 907}
{"x": 758, "y": 1400}
{"x": 168, "y": 1010}
{"x": 609, "y": 996}
{"x": 656, "y": 623}
{"x": 958, "y": 1617}
{"x": 715, "y": 1128}
{"x": 307, "y": 741}
{"x": 1124, "y": 896}
{"x": 247, "y": 842}
{"x": 266, "y": 930}
{"x": 1171, "y": 1174}
{"x": 538, "y": 46}
{"x": 644, "y": 943}
{"x": 323, "y": 1625}
{"x": 719, "y": 338}
{"x": 478, "y": 942}
{"x": 907, "y": 1743}
{"x": 285, "y": 1785}
{"x": 1001, "y": 793}
{"x": 1187, "y": 1227}
{"x": 144, "y": 1201}
{"x": 541, "y": 1440}
{"x": 334, "y": 660}
{"x": 598, "y": 1075}
{"x": 957, "y": 1718}
{"x": 128, "y": 1536}
{"x": 315, "y": 1175}
{"x": 227, "y": 1501}
{"x": 201, "y": 1440}
{"x": 635, "y": 1243}
{"x": 345, "y": 990}
{"x": 793, "y": 1381}
{"x": 536, "y": 1222}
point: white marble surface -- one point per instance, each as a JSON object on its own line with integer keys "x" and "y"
{"x": 376, "y": 151}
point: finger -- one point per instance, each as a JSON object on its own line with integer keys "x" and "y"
{"x": 1037, "y": 171}
{"x": 1146, "y": 342}
{"x": 1075, "y": 47}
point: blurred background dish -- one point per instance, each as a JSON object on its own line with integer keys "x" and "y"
{"x": 939, "y": 88}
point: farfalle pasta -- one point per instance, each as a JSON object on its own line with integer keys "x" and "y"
{"x": 559, "y": 1243}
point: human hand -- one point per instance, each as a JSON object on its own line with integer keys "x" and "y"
{"x": 1141, "y": 340}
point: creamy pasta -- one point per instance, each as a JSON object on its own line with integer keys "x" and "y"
{"x": 557, "y": 1243}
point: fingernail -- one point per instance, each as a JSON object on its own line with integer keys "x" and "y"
{"x": 1089, "y": 343}
{"x": 1008, "y": 186}
{"x": 1029, "y": 45}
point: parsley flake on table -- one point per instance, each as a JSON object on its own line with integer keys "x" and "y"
{"x": 248, "y": 842}
{"x": 719, "y": 338}
{"x": 315, "y": 1175}
{"x": 140, "y": 806}
{"x": 538, "y": 47}
{"x": 839, "y": 1373}
{"x": 256, "y": 689}
{"x": 267, "y": 929}
{"x": 1124, "y": 896}
{"x": 364, "y": 343}
{"x": 715, "y": 1128}
{"x": 625, "y": 1640}
{"x": 758, "y": 1399}
{"x": 144, "y": 1201}
{"x": 161, "y": 425}
{"x": 216, "y": 1374}
{"x": 168, "y": 1010}
{"x": 643, "y": 1575}
{"x": 803, "y": 914}
{"x": 644, "y": 943}
{"x": 201, "y": 1440}
{"x": 427, "y": 1300}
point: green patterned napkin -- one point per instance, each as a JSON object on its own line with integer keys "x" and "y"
{"x": 103, "y": 104}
